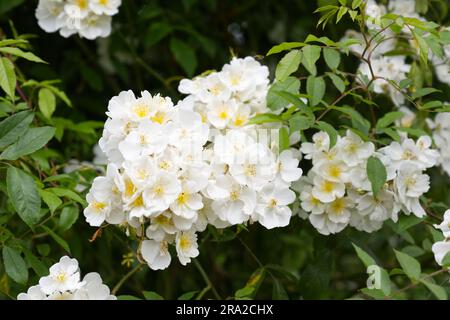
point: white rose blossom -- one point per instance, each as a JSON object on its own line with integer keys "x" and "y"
{"x": 173, "y": 170}
{"x": 64, "y": 283}
{"x": 89, "y": 18}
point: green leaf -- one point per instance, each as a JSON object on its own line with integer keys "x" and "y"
{"x": 68, "y": 217}
{"x": 274, "y": 101}
{"x": 364, "y": 256}
{"x": 337, "y": 81}
{"x": 285, "y": 46}
{"x": 127, "y": 297}
{"x": 311, "y": 53}
{"x": 156, "y": 32}
{"x": 295, "y": 100}
{"x": 342, "y": 11}
{"x": 7, "y": 5}
{"x": 356, "y": 3}
{"x": 50, "y": 199}
{"x": 446, "y": 260}
{"x": 7, "y": 77}
{"x": 150, "y": 295}
{"x": 388, "y": 118}
{"x": 47, "y": 102}
{"x": 358, "y": 121}
{"x": 332, "y": 58}
{"x": 300, "y": 122}
{"x": 19, "y": 53}
{"x": 252, "y": 285}
{"x": 278, "y": 291}
{"x": 315, "y": 88}
{"x": 377, "y": 294}
{"x": 437, "y": 290}
{"x": 38, "y": 266}
{"x": 33, "y": 140}
{"x": 43, "y": 249}
{"x": 286, "y": 273}
{"x": 406, "y": 222}
{"x": 57, "y": 238}
{"x": 264, "y": 118}
{"x": 288, "y": 65}
{"x": 353, "y": 14}
{"x": 15, "y": 266}
{"x": 284, "y": 139}
{"x": 24, "y": 195}
{"x": 244, "y": 293}
{"x": 376, "y": 172}
{"x": 423, "y": 92}
{"x": 385, "y": 282}
{"x": 14, "y": 126}
{"x": 188, "y": 295}
{"x": 409, "y": 264}
{"x": 332, "y": 133}
{"x": 423, "y": 46}
{"x": 184, "y": 55}
{"x": 60, "y": 192}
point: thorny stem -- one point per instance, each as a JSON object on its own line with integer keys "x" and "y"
{"x": 207, "y": 280}
{"x": 125, "y": 278}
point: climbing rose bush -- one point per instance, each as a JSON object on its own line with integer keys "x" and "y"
{"x": 314, "y": 168}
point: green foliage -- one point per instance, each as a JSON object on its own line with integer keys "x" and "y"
{"x": 376, "y": 172}
{"x": 54, "y": 93}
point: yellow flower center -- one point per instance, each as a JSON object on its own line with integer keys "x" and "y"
{"x": 250, "y": 170}
{"x": 338, "y": 206}
{"x": 234, "y": 195}
{"x": 104, "y": 2}
{"x": 327, "y": 186}
{"x": 272, "y": 203}
{"x": 239, "y": 121}
{"x": 163, "y": 220}
{"x": 315, "y": 201}
{"x": 185, "y": 242}
{"x": 223, "y": 115}
{"x": 408, "y": 155}
{"x": 61, "y": 277}
{"x": 159, "y": 117}
{"x": 99, "y": 206}
{"x": 334, "y": 171}
{"x": 235, "y": 80}
{"x": 130, "y": 188}
{"x": 183, "y": 198}
{"x": 82, "y": 4}
{"x": 138, "y": 202}
{"x": 164, "y": 165}
{"x": 141, "y": 110}
{"x": 158, "y": 190}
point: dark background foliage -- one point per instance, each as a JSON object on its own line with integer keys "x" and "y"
{"x": 153, "y": 45}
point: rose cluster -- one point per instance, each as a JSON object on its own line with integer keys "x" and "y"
{"x": 63, "y": 283}
{"x": 337, "y": 191}
{"x": 89, "y": 18}
{"x": 170, "y": 172}
{"x": 229, "y": 98}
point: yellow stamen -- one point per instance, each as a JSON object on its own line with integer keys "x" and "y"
{"x": 327, "y": 186}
